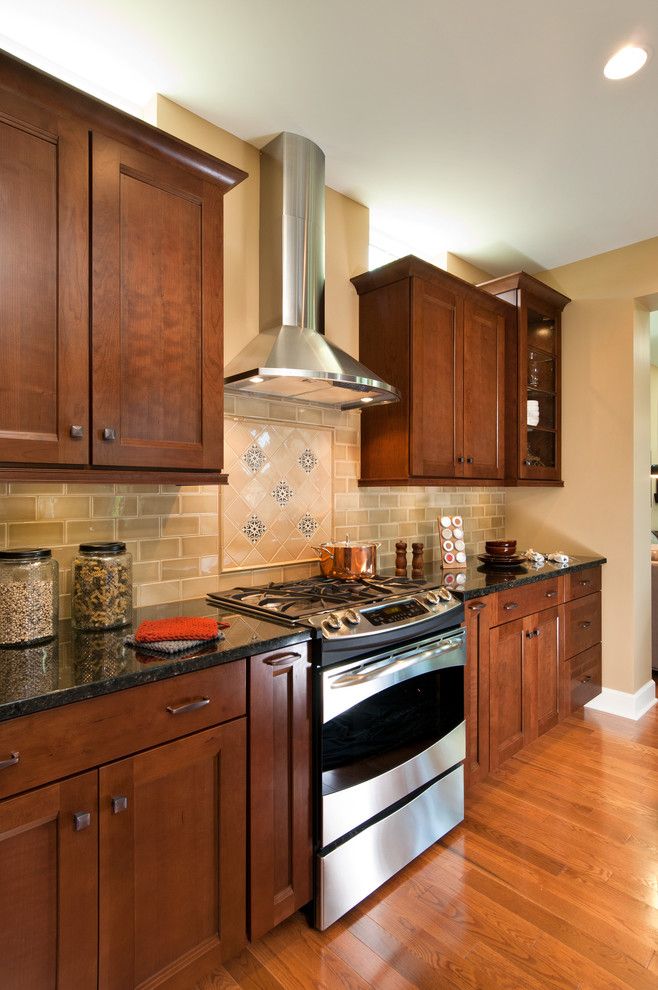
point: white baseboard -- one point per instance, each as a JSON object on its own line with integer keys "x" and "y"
{"x": 625, "y": 704}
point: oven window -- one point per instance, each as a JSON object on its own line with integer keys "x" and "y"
{"x": 392, "y": 726}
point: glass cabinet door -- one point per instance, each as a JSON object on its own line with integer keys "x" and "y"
{"x": 539, "y": 393}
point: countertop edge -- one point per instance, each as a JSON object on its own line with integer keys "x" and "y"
{"x": 534, "y": 577}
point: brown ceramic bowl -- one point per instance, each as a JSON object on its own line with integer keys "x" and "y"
{"x": 500, "y": 548}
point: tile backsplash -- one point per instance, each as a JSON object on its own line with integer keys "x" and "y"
{"x": 174, "y": 532}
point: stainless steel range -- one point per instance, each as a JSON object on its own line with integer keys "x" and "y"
{"x": 389, "y": 741}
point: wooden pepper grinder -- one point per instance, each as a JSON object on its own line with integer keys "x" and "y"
{"x": 417, "y": 564}
{"x": 401, "y": 559}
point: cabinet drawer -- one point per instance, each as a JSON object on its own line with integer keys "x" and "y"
{"x": 84, "y": 734}
{"x": 582, "y": 625}
{"x": 585, "y": 676}
{"x": 529, "y": 598}
{"x": 583, "y": 583}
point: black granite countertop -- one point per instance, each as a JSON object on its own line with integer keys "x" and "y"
{"x": 476, "y": 580}
{"x": 78, "y": 665}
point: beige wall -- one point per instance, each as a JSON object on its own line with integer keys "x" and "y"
{"x": 604, "y": 505}
{"x": 464, "y": 269}
{"x": 653, "y": 418}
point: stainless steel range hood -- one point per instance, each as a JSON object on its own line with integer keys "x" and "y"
{"x": 291, "y": 358}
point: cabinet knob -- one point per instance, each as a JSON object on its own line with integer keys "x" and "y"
{"x": 586, "y": 678}
{"x": 77, "y": 432}
{"x": 109, "y": 434}
{"x": 551, "y": 594}
{"x": 583, "y": 584}
{"x": 477, "y": 607}
{"x": 510, "y": 606}
{"x": 528, "y": 462}
{"x": 81, "y": 820}
{"x": 119, "y": 804}
{"x": 469, "y": 460}
{"x": 460, "y": 460}
{"x": 586, "y": 624}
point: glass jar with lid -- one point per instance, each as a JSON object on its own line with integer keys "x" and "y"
{"x": 102, "y": 586}
{"x": 29, "y": 596}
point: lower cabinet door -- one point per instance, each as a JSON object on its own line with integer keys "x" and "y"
{"x": 508, "y": 691}
{"x": 49, "y": 887}
{"x": 172, "y": 860}
{"x": 280, "y": 879}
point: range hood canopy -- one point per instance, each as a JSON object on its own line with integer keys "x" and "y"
{"x": 291, "y": 358}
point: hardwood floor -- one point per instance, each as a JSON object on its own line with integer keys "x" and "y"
{"x": 552, "y": 881}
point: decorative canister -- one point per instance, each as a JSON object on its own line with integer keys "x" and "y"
{"x": 102, "y": 586}
{"x": 29, "y": 596}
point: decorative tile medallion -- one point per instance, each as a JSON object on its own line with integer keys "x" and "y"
{"x": 254, "y": 457}
{"x": 282, "y": 493}
{"x": 307, "y": 460}
{"x": 254, "y": 528}
{"x": 307, "y": 525}
{"x": 278, "y": 503}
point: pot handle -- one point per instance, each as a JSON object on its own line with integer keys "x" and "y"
{"x": 321, "y": 550}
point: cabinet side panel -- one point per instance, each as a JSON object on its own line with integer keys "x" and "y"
{"x": 484, "y": 391}
{"x": 384, "y": 348}
{"x": 507, "y": 684}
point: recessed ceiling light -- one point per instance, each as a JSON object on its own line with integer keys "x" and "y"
{"x": 626, "y": 62}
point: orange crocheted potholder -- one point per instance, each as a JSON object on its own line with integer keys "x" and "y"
{"x": 185, "y": 627}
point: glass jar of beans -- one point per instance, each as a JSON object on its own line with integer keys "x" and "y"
{"x": 29, "y": 596}
{"x": 102, "y": 586}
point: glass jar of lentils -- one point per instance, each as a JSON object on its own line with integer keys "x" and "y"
{"x": 102, "y": 586}
{"x": 29, "y": 596}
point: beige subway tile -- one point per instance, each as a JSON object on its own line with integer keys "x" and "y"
{"x": 132, "y": 547}
{"x": 157, "y": 594}
{"x": 75, "y": 488}
{"x": 158, "y": 505}
{"x": 197, "y": 546}
{"x": 209, "y": 525}
{"x": 389, "y": 501}
{"x": 196, "y": 587}
{"x": 332, "y": 417}
{"x": 4, "y": 488}
{"x": 146, "y": 571}
{"x": 138, "y": 489}
{"x": 35, "y": 534}
{"x": 309, "y": 416}
{"x": 65, "y": 606}
{"x": 230, "y": 579}
{"x": 63, "y": 507}
{"x": 3, "y": 534}
{"x": 199, "y": 503}
{"x": 180, "y": 567}
{"x": 64, "y": 556}
{"x": 376, "y": 516}
{"x": 417, "y": 515}
{"x": 358, "y": 517}
{"x": 209, "y": 564}
{"x": 65, "y": 581}
{"x": 90, "y": 530}
{"x": 170, "y": 489}
{"x": 114, "y": 506}
{"x": 19, "y": 508}
{"x": 158, "y": 549}
{"x": 189, "y": 489}
{"x": 34, "y": 488}
{"x": 369, "y": 500}
{"x": 136, "y": 529}
{"x": 246, "y": 406}
{"x": 347, "y": 436}
{"x": 347, "y": 500}
{"x": 179, "y": 525}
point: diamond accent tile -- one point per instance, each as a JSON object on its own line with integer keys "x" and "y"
{"x": 254, "y": 458}
{"x": 307, "y": 460}
{"x": 307, "y": 525}
{"x": 282, "y": 493}
{"x": 254, "y": 528}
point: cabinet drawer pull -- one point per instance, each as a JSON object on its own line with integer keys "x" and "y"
{"x": 586, "y": 624}
{"x": 510, "y": 606}
{"x": 81, "y": 820}
{"x": 77, "y": 432}
{"x": 588, "y": 677}
{"x": 278, "y": 659}
{"x": 583, "y": 584}
{"x": 533, "y": 633}
{"x": 109, "y": 434}
{"x": 11, "y": 762}
{"x": 551, "y": 594}
{"x": 477, "y": 607}
{"x": 119, "y": 804}
{"x": 469, "y": 460}
{"x": 188, "y": 706}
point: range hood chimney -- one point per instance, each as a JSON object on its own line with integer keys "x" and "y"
{"x": 291, "y": 358}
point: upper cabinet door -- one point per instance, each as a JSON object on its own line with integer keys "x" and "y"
{"x": 484, "y": 391}
{"x": 43, "y": 285}
{"x": 157, "y": 348}
{"x": 436, "y": 387}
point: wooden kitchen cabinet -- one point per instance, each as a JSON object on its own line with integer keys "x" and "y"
{"x": 48, "y": 887}
{"x": 534, "y": 403}
{"x": 478, "y": 615}
{"x": 88, "y": 189}
{"x": 172, "y": 859}
{"x": 280, "y": 820}
{"x": 442, "y": 342}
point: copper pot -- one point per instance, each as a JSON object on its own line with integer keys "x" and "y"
{"x": 347, "y": 560}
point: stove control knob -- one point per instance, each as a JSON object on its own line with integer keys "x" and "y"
{"x": 352, "y": 618}
{"x": 332, "y": 622}
{"x": 432, "y": 598}
{"x": 445, "y": 594}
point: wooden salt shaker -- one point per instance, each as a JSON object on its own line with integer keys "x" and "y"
{"x": 417, "y": 564}
{"x": 401, "y": 559}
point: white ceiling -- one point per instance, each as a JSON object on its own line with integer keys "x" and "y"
{"x": 483, "y": 127}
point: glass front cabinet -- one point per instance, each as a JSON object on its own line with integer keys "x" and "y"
{"x": 533, "y": 408}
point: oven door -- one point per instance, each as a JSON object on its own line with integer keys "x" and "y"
{"x": 391, "y": 723}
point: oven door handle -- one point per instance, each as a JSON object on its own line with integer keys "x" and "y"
{"x": 348, "y": 680}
